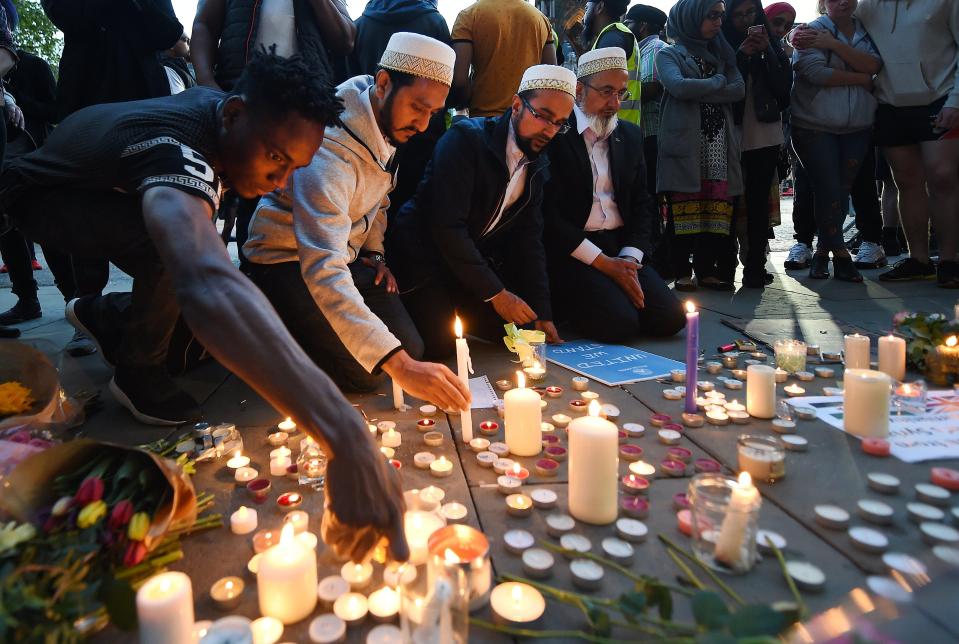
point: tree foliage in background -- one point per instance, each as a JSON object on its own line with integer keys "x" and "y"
{"x": 36, "y": 33}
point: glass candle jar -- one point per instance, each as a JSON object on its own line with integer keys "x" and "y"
{"x": 790, "y": 355}
{"x": 435, "y": 607}
{"x": 534, "y": 365}
{"x": 724, "y": 514}
{"x": 468, "y": 548}
{"x": 311, "y": 463}
{"x": 763, "y": 457}
{"x": 909, "y": 397}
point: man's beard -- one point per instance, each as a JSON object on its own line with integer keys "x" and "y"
{"x": 602, "y": 126}
{"x": 386, "y": 115}
{"x": 525, "y": 144}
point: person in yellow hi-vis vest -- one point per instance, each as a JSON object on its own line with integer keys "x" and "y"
{"x": 602, "y": 28}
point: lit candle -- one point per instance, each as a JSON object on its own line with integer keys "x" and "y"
{"x": 266, "y": 630}
{"x": 593, "y": 464}
{"x": 735, "y": 527}
{"x": 519, "y": 505}
{"x": 299, "y": 519}
{"x": 418, "y": 527}
{"x": 524, "y": 434}
{"x": 392, "y": 438}
{"x": 856, "y": 351}
{"x": 642, "y": 468}
{"x": 384, "y": 604}
{"x": 289, "y": 500}
{"x": 281, "y": 451}
{"x": 892, "y": 357}
{"x": 287, "y": 426}
{"x": 357, "y": 574}
{"x": 441, "y": 467}
{"x": 351, "y": 608}
{"x": 734, "y": 405}
{"x": 165, "y": 609}
{"x": 866, "y": 403}
{"x": 279, "y": 465}
{"x": 277, "y": 438}
{"x": 286, "y": 579}
{"x": 761, "y": 391}
{"x": 535, "y": 372}
{"x": 238, "y": 461}
{"x": 516, "y": 604}
{"x": 399, "y": 402}
{"x": 692, "y": 355}
{"x": 794, "y": 390}
{"x": 243, "y": 521}
{"x": 244, "y": 475}
{"x": 463, "y": 369}
{"x": 762, "y": 457}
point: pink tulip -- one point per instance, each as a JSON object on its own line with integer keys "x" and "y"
{"x": 121, "y": 514}
{"x": 90, "y": 490}
{"x": 135, "y": 553}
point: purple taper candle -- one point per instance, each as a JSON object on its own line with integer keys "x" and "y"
{"x": 692, "y": 356}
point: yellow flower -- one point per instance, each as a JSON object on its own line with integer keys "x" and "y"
{"x": 138, "y": 526}
{"x": 12, "y": 534}
{"x": 91, "y": 513}
{"x": 14, "y": 398}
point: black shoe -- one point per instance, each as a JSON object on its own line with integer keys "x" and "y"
{"x": 152, "y": 397}
{"x": 890, "y": 241}
{"x": 819, "y": 267}
{"x": 22, "y": 311}
{"x": 757, "y": 279}
{"x": 78, "y": 314}
{"x": 845, "y": 270}
{"x": 947, "y": 275}
{"x": 909, "y": 269}
{"x": 80, "y": 345}
{"x": 716, "y": 284}
{"x": 9, "y": 332}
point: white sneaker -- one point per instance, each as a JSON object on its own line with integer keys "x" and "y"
{"x": 799, "y": 257}
{"x": 870, "y": 255}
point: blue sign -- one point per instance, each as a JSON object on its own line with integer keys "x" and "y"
{"x": 610, "y": 364}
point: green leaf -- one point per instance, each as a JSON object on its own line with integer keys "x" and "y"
{"x": 709, "y": 611}
{"x": 715, "y": 637}
{"x": 756, "y": 619}
{"x": 632, "y": 604}
{"x": 599, "y": 621}
{"x": 120, "y": 600}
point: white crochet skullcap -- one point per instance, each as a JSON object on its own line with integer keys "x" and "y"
{"x": 601, "y": 60}
{"x": 420, "y": 56}
{"x": 548, "y": 77}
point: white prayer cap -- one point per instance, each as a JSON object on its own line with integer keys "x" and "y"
{"x": 420, "y": 56}
{"x": 548, "y": 77}
{"x": 601, "y": 60}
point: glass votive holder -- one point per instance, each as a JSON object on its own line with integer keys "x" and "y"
{"x": 909, "y": 397}
{"x": 435, "y": 607}
{"x": 790, "y": 355}
{"x": 762, "y": 456}
{"x": 725, "y": 515}
{"x": 534, "y": 365}
{"x": 466, "y": 547}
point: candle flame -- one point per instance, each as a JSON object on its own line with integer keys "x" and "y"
{"x": 951, "y": 341}
{"x": 745, "y": 480}
{"x": 517, "y": 594}
{"x": 450, "y": 556}
{"x": 229, "y": 586}
{"x": 458, "y": 327}
{"x": 520, "y": 379}
{"x": 516, "y": 468}
{"x": 690, "y": 307}
{"x": 286, "y": 535}
{"x": 241, "y": 512}
{"x": 594, "y": 408}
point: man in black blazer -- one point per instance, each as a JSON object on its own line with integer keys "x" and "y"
{"x": 599, "y": 215}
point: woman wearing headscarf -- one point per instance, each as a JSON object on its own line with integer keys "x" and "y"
{"x": 698, "y": 161}
{"x": 832, "y": 114}
{"x": 768, "y": 77}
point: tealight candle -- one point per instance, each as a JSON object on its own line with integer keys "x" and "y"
{"x": 432, "y": 494}
{"x": 358, "y": 575}
{"x": 561, "y": 420}
{"x": 384, "y": 604}
{"x": 479, "y": 445}
{"x": 265, "y": 539}
{"x": 580, "y": 383}
{"x": 486, "y": 459}
{"x": 554, "y": 392}
{"x": 238, "y": 461}
{"x": 673, "y": 468}
{"x": 428, "y": 410}
{"x": 548, "y": 466}
{"x": 519, "y": 505}
{"x": 693, "y": 420}
{"x": 351, "y": 608}
{"x": 244, "y": 475}
{"x": 441, "y": 467}
{"x": 517, "y": 471}
{"x": 418, "y": 527}
{"x": 165, "y": 609}
{"x": 658, "y": 420}
{"x": 278, "y": 465}
{"x": 669, "y": 436}
{"x": 331, "y": 588}
{"x": 630, "y": 452}
{"x": 266, "y": 630}
{"x": 327, "y": 629}
{"x": 454, "y": 511}
{"x": 538, "y": 563}
{"x": 680, "y": 454}
{"x": 504, "y": 384}
{"x": 500, "y": 449}
{"x": 259, "y": 488}
{"x": 287, "y": 425}
{"x": 388, "y": 452}
{"x": 433, "y": 439}
{"x": 507, "y": 484}
{"x": 764, "y": 458}
{"x": 642, "y": 468}
{"x": 392, "y": 438}
{"x": 424, "y": 425}
{"x": 308, "y": 540}
{"x": 517, "y": 604}
{"x": 226, "y": 592}
{"x": 543, "y": 498}
{"x": 489, "y": 427}
{"x": 299, "y": 519}
{"x": 500, "y": 465}
{"x": 398, "y": 574}
{"x": 277, "y": 439}
{"x": 243, "y": 521}
{"x": 535, "y": 372}
{"x": 281, "y": 452}
{"x": 794, "y": 390}
{"x": 555, "y": 452}
{"x": 633, "y": 484}
{"x": 423, "y": 460}
{"x": 289, "y": 500}
{"x": 635, "y": 506}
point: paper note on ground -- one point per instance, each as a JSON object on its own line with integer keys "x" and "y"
{"x": 610, "y": 364}
{"x": 484, "y": 396}
{"x": 913, "y": 436}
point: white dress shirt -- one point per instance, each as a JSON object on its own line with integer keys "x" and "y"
{"x": 517, "y": 163}
{"x": 604, "y": 214}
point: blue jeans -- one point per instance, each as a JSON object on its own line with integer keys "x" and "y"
{"x": 831, "y": 162}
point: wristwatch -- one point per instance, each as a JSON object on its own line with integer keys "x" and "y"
{"x": 376, "y": 257}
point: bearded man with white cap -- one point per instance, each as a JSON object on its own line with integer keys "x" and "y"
{"x": 316, "y": 248}
{"x": 599, "y": 215}
{"x": 470, "y": 240}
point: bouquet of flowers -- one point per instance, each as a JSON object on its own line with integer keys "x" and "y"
{"x": 923, "y": 333}
{"x": 93, "y": 521}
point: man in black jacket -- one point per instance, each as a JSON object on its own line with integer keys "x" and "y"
{"x": 472, "y": 234}
{"x": 599, "y": 215}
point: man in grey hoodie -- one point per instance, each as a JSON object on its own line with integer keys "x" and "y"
{"x": 316, "y": 248}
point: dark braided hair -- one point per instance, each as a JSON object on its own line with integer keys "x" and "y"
{"x": 275, "y": 85}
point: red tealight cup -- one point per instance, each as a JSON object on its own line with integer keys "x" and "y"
{"x": 395, "y": 463}
{"x": 425, "y": 425}
{"x": 289, "y": 500}
{"x": 679, "y": 454}
{"x": 518, "y": 472}
{"x": 546, "y": 467}
{"x": 489, "y": 427}
{"x": 673, "y": 468}
{"x": 635, "y": 506}
{"x": 684, "y": 520}
{"x": 554, "y": 392}
{"x": 633, "y": 484}
{"x": 658, "y": 420}
{"x": 707, "y": 465}
{"x": 259, "y": 488}
{"x": 875, "y": 446}
{"x": 556, "y": 452}
{"x": 630, "y": 452}
{"x": 674, "y": 426}
{"x": 550, "y": 439}
{"x": 578, "y": 405}
{"x": 945, "y": 477}
{"x": 623, "y": 436}
{"x": 680, "y": 501}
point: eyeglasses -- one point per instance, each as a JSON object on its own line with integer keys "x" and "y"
{"x": 562, "y": 126}
{"x": 607, "y": 92}
{"x": 716, "y": 15}
{"x": 749, "y": 14}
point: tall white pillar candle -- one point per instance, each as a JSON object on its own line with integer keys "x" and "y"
{"x": 761, "y": 391}
{"x": 856, "y": 351}
{"x": 866, "y": 403}
{"x": 463, "y": 369}
{"x": 165, "y": 609}
{"x": 399, "y": 402}
{"x": 524, "y": 418}
{"x": 735, "y": 527}
{"x": 593, "y": 465}
{"x": 286, "y": 579}
{"x": 419, "y": 526}
{"x": 892, "y": 357}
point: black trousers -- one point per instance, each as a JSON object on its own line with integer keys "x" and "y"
{"x": 759, "y": 167}
{"x": 804, "y": 213}
{"x": 108, "y": 226}
{"x": 599, "y": 309}
{"x": 283, "y": 285}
